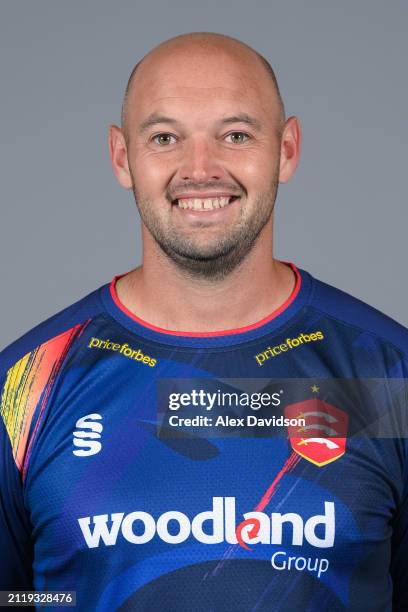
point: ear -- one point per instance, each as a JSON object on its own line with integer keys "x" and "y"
{"x": 119, "y": 156}
{"x": 290, "y": 149}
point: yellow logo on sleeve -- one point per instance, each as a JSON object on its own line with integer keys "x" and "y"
{"x": 287, "y": 345}
{"x": 123, "y": 349}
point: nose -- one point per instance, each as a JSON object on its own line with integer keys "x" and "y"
{"x": 200, "y": 163}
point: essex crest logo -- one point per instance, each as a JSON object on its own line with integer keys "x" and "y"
{"x": 323, "y": 437}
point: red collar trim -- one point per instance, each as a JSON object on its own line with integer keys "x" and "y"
{"x": 224, "y": 332}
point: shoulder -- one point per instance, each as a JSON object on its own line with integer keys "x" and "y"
{"x": 352, "y": 312}
{"x": 57, "y": 330}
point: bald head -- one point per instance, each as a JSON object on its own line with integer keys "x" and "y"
{"x": 206, "y": 45}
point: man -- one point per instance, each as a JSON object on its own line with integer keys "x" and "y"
{"x": 136, "y": 469}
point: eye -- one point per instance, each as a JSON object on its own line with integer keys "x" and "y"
{"x": 237, "y": 137}
{"x": 164, "y": 139}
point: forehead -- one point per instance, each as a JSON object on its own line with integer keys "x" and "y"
{"x": 200, "y": 82}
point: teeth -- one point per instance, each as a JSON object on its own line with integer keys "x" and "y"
{"x": 203, "y": 203}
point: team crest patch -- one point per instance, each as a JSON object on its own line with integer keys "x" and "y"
{"x": 323, "y": 437}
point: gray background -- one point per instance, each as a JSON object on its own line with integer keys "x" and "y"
{"x": 67, "y": 227}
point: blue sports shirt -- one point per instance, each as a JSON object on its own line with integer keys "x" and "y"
{"x": 110, "y": 488}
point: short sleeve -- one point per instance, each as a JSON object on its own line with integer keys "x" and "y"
{"x": 399, "y": 563}
{"x": 16, "y": 558}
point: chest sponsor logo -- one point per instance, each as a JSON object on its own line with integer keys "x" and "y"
{"x": 219, "y": 525}
{"x": 323, "y": 437}
{"x": 211, "y": 527}
{"x": 86, "y": 437}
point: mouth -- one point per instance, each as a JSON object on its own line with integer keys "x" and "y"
{"x": 204, "y": 204}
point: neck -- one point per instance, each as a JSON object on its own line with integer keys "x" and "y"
{"x": 160, "y": 293}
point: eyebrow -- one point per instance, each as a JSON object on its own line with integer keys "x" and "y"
{"x": 243, "y": 118}
{"x": 155, "y": 118}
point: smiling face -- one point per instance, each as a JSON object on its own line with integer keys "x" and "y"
{"x": 202, "y": 152}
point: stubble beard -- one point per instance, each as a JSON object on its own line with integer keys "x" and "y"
{"x": 219, "y": 260}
